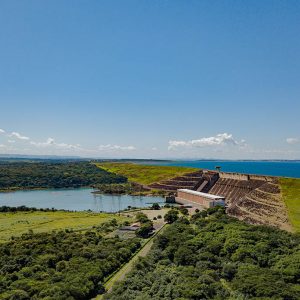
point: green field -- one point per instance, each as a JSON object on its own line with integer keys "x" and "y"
{"x": 290, "y": 188}
{"x": 15, "y": 224}
{"x": 145, "y": 174}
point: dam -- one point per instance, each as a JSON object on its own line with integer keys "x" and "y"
{"x": 255, "y": 199}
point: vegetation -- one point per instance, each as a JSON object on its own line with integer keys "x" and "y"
{"x": 61, "y": 265}
{"x": 23, "y": 175}
{"x": 155, "y": 206}
{"x": 17, "y": 223}
{"x": 129, "y": 188}
{"x": 144, "y": 174}
{"x": 171, "y": 216}
{"x": 146, "y": 225}
{"x": 184, "y": 211}
{"x": 25, "y": 208}
{"x": 215, "y": 257}
{"x": 290, "y": 188}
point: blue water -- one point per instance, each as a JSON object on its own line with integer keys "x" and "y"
{"x": 75, "y": 199}
{"x": 273, "y": 168}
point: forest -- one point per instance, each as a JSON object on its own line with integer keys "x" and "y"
{"x": 32, "y": 175}
{"x": 213, "y": 256}
{"x": 61, "y": 265}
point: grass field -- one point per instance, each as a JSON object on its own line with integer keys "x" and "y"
{"x": 15, "y": 224}
{"x": 145, "y": 174}
{"x": 290, "y": 188}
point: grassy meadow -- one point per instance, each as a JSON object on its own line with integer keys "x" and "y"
{"x": 17, "y": 223}
{"x": 290, "y": 188}
{"x": 144, "y": 174}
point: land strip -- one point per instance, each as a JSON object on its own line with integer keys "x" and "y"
{"x": 128, "y": 266}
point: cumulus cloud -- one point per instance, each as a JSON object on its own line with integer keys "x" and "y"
{"x": 50, "y": 142}
{"x": 50, "y": 145}
{"x": 292, "y": 141}
{"x": 115, "y": 147}
{"x": 219, "y": 139}
{"x": 19, "y": 136}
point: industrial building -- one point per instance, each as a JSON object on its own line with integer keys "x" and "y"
{"x": 186, "y": 196}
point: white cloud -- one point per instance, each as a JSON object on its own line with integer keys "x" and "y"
{"x": 19, "y": 136}
{"x": 53, "y": 147}
{"x": 154, "y": 148}
{"x": 292, "y": 141}
{"x": 50, "y": 142}
{"x": 219, "y": 139}
{"x": 115, "y": 147}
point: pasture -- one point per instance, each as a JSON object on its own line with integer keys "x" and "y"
{"x": 17, "y": 223}
{"x": 144, "y": 174}
{"x": 290, "y": 188}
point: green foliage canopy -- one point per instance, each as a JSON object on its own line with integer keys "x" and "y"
{"x": 216, "y": 257}
{"x": 31, "y": 175}
{"x": 61, "y": 265}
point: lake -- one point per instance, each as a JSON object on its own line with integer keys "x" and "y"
{"x": 75, "y": 199}
{"x": 272, "y": 168}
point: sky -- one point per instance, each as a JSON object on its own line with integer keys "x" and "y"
{"x": 150, "y": 79}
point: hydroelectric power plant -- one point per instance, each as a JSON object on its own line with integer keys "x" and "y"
{"x": 255, "y": 199}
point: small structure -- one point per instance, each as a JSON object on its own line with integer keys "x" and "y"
{"x": 186, "y": 196}
{"x": 132, "y": 227}
{"x": 218, "y": 168}
{"x": 170, "y": 199}
{"x": 128, "y": 228}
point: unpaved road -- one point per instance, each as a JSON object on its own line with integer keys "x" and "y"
{"x": 127, "y": 267}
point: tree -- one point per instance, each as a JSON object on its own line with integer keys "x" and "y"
{"x": 155, "y": 206}
{"x": 184, "y": 211}
{"x": 144, "y": 230}
{"x": 16, "y": 295}
{"x": 171, "y": 216}
{"x": 141, "y": 217}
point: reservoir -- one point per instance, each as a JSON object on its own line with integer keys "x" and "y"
{"x": 272, "y": 168}
{"x": 76, "y": 200}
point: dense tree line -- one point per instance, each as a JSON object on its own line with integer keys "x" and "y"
{"x": 216, "y": 257}
{"x": 6, "y": 209}
{"x": 61, "y": 265}
{"x": 22, "y": 175}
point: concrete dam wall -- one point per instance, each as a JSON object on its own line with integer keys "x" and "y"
{"x": 255, "y": 199}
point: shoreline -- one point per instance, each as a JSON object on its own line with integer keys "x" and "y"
{"x": 12, "y": 190}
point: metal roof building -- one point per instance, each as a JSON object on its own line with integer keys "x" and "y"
{"x": 185, "y": 196}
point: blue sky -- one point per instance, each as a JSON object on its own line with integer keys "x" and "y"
{"x": 151, "y": 79}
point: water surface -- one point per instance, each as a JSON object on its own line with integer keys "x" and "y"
{"x": 272, "y": 168}
{"x": 75, "y": 199}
